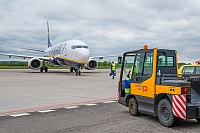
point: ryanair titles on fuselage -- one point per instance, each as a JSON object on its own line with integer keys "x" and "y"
{"x": 57, "y": 49}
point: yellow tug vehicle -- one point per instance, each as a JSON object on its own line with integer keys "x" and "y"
{"x": 149, "y": 84}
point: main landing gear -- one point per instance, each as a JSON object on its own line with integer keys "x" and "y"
{"x": 43, "y": 68}
{"x": 71, "y": 69}
{"x": 78, "y": 72}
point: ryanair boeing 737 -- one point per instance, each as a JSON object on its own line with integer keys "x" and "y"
{"x": 73, "y": 53}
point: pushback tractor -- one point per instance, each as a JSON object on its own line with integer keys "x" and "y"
{"x": 149, "y": 84}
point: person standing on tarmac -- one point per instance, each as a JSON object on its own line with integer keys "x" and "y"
{"x": 113, "y": 69}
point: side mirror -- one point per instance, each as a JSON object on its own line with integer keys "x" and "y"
{"x": 120, "y": 60}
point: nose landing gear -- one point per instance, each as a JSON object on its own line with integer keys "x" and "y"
{"x": 78, "y": 70}
{"x": 78, "y": 73}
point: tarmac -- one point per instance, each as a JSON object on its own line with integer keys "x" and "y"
{"x": 25, "y": 90}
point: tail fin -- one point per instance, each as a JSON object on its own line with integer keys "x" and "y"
{"x": 49, "y": 42}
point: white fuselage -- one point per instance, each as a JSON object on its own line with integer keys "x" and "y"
{"x": 71, "y": 53}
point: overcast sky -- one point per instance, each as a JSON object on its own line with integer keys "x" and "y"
{"x": 109, "y": 27}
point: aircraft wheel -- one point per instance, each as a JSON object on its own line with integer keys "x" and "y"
{"x": 46, "y": 69}
{"x": 76, "y": 73}
{"x": 113, "y": 77}
{"x": 41, "y": 69}
{"x": 133, "y": 107}
{"x": 79, "y": 73}
{"x": 165, "y": 114}
{"x": 71, "y": 69}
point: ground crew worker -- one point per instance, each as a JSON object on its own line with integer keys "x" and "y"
{"x": 113, "y": 69}
{"x": 127, "y": 82}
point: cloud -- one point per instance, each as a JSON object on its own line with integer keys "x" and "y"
{"x": 107, "y": 26}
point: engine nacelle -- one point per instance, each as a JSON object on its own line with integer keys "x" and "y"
{"x": 34, "y": 63}
{"x": 91, "y": 64}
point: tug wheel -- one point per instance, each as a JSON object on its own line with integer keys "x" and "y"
{"x": 133, "y": 107}
{"x": 165, "y": 114}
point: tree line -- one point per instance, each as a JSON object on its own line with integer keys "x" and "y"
{"x": 13, "y": 63}
{"x": 21, "y": 63}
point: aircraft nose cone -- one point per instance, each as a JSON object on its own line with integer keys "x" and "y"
{"x": 84, "y": 55}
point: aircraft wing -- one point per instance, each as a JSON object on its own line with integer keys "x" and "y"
{"x": 49, "y": 59}
{"x": 101, "y": 57}
{"x": 33, "y": 49}
{"x": 15, "y": 55}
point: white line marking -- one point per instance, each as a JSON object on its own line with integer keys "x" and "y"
{"x": 45, "y": 111}
{"x": 24, "y": 114}
{"x": 91, "y": 104}
{"x": 72, "y": 107}
{"x": 109, "y": 102}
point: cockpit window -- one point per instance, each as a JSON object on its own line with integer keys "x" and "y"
{"x": 73, "y": 47}
{"x": 85, "y": 46}
{"x": 79, "y": 46}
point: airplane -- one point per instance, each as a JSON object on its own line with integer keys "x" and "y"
{"x": 73, "y": 53}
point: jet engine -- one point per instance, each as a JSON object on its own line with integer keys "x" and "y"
{"x": 34, "y": 63}
{"x": 91, "y": 64}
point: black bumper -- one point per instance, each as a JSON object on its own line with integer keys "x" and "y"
{"x": 193, "y": 111}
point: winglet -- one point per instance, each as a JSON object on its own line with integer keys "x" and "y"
{"x": 49, "y": 42}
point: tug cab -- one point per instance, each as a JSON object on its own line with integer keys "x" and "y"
{"x": 155, "y": 87}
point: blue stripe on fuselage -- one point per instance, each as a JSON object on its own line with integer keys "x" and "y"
{"x": 57, "y": 61}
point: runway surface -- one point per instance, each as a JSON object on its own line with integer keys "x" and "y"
{"x": 24, "y": 90}
{"x": 102, "y": 117}
{"x": 60, "y": 102}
